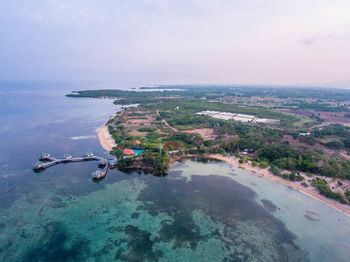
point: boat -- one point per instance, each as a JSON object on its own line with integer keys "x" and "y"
{"x": 38, "y": 166}
{"x": 102, "y": 163}
{"x": 98, "y": 174}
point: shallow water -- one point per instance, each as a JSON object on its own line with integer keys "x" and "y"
{"x": 201, "y": 211}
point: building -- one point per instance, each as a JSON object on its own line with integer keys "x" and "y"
{"x": 128, "y": 152}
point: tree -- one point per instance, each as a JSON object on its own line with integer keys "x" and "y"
{"x": 222, "y": 151}
{"x": 275, "y": 170}
{"x": 117, "y": 152}
{"x": 300, "y": 177}
{"x": 335, "y": 144}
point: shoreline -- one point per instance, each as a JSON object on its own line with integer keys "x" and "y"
{"x": 107, "y": 142}
{"x": 105, "y": 138}
{"x": 309, "y": 191}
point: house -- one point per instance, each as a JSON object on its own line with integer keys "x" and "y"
{"x": 305, "y": 134}
{"x": 128, "y": 152}
{"x": 137, "y": 142}
{"x": 174, "y": 152}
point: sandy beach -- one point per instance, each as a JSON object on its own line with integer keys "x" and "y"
{"x": 309, "y": 191}
{"x": 106, "y": 140}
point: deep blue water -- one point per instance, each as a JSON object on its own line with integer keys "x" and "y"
{"x": 201, "y": 211}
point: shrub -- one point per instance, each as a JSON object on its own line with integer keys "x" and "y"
{"x": 300, "y": 177}
{"x": 285, "y": 176}
{"x": 263, "y": 164}
{"x": 347, "y": 194}
{"x": 146, "y": 129}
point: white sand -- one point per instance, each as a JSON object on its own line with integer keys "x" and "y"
{"x": 106, "y": 140}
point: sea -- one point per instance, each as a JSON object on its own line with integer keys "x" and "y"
{"x": 203, "y": 210}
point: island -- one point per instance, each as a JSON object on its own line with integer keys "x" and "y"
{"x": 297, "y": 136}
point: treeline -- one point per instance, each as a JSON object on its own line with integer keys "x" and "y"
{"x": 124, "y": 97}
{"x": 283, "y": 92}
{"x": 317, "y": 106}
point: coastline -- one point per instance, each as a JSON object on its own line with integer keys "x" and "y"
{"x": 309, "y": 191}
{"x": 107, "y": 142}
{"x": 105, "y": 138}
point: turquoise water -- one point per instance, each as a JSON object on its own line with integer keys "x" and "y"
{"x": 137, "y": 151}
{"x": 201, "y": 211}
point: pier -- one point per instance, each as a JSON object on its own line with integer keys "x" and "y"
{"x": 48, "y": 161}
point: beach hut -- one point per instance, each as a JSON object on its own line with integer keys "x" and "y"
{"x": 109, "y": 157}
{"x": 67, "y": 157}
{"x": 112, "y": 163}
{"x": 44, "y": 156}
{"x": 89, "y": 154}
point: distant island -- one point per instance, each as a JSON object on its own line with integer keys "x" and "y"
{"x": 297, "y": 136}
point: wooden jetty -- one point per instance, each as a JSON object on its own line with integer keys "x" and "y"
{"x": 48, "y": 161}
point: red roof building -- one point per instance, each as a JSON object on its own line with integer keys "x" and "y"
{"x": 129, "y": 152}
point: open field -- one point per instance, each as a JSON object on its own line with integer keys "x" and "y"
{"x": 206, "y": 133}
{"x": 328, "y": 117}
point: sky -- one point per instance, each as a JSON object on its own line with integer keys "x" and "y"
{"x": 149, "y": 42}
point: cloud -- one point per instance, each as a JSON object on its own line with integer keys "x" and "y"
{"x": 148, "y": 41}
{"x": 316, "y": 38}
{"x": 323, "y": 37}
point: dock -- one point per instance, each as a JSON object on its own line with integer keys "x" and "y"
{"x": 48, "y": 161}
